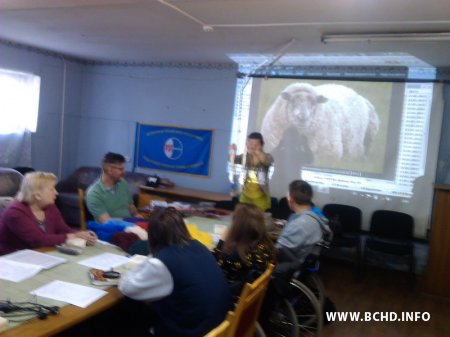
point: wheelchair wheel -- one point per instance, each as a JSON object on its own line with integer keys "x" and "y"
{"x": 259, "y": 332}
{"x": 307, "y": 308}
{"x": 282, "y": 321}
{"x": 314, "y": 283}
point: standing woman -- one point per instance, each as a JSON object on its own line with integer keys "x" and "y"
{"x": 245, "y": 247}
{"x": 254, "y": 172}
{"x": 33, "y": 220}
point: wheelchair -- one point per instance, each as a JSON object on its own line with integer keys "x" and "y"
{"x": 295, "y": 298}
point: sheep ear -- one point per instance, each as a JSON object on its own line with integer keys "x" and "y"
{"x": 321, "y": 99}
{"x": 286, "y": 95}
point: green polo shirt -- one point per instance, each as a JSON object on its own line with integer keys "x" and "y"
{"x": 114, "y": 201}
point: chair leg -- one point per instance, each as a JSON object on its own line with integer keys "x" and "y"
{"x": 363, "y": 263}
{"x": 411, "y": 267}
{"x": 358, "y": 267}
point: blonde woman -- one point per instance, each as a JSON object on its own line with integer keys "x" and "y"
{"x": 33, "y": 220}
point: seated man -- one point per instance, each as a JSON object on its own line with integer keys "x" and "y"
{"x": 305, "y": 228}
{"x": 109, "y": 196}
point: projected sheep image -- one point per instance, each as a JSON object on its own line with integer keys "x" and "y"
{"x": 336, "y": 122}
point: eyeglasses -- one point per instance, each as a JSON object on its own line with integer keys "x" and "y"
{"x": 120, "y": 168}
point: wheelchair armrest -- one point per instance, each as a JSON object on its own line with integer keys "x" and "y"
{"x": 311, "y": 263}
{"x": 285, "y": 255}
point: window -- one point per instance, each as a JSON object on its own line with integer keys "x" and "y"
{"x": 241, "y": 113}
{"x": 19, "y": 101}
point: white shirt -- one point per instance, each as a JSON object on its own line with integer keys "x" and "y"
{"x": 149, "y": 281}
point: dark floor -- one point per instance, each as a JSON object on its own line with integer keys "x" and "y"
{"x": 123, "y": 320}
{"x": 381, "y": 290}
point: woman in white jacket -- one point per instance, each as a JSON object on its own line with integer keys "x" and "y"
{"x": 188, "y": 289}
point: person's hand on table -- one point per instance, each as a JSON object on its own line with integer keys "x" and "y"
{"x": 89, "y": 236}
{"x": 92, "y": 238}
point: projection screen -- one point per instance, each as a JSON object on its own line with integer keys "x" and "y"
{"x": 371, "y": 144}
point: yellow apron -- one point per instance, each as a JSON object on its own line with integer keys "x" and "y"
{"x": 253, "y": 194}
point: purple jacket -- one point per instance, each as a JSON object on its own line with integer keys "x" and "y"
{"x": 19, "y": 228}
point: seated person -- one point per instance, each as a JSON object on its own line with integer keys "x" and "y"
{"x": 33, "y": 221}
{"x": 189, "y": 292}
{"x": 245, "y": 247}
{"x": 109, "y": 197}
{"x": 304, "y": 228}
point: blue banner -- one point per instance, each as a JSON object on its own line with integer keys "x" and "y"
{"x": 173, "y": 149}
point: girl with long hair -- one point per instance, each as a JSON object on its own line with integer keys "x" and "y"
{"x": 246, "y": 248}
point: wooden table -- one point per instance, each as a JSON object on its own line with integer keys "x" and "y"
{"x": 69, "y": 315}
{"x": 146, "y": 194}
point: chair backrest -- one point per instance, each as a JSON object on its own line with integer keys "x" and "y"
{"x": 24, "y": 169}
{"x": 227, "y": 204}
{"x": 273, "y": 205}
{"x": 10, "y": 181}
{"x": 223, "y": 330}
{"x": 85, "y": 215}
{"x": 84, "y": 176}
{"x": 283, "y": 210}
{"x": 347, "y": 218}
{"x": 392, "y": 225}
{"x": 245, "y": 316}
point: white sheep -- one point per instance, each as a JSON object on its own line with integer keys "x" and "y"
{"x": 336, "y": 121}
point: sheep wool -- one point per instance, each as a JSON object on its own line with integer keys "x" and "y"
{"x": 336, "y": 121}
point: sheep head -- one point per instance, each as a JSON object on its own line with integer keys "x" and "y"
{"x": 302, "y": 101}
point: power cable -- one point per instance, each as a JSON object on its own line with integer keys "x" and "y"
{"x": 13, "y": 310}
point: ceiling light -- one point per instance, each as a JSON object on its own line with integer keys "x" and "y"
{"x": 375, "y": 37}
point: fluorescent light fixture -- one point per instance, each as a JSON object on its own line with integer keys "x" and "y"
{"x": 375, "y": 37}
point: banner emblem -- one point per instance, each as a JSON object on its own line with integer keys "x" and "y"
{"x": 173, "y": 148}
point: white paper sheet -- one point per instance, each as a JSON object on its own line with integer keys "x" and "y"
{"x": 105, "y": 261}
{"x": 29, "y": 256}
{"x": 72, "y": 293}
{"x": 17, "y": 271}
{"x": 219, "y": 229}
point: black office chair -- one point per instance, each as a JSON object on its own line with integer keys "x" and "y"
{"x": 391, "y": 233}
{"x": 24, "y": 169}
{"x": 227, "y": 204}
{"x": 345, "y": 222}
{"x": 273, "y": 205}
{"x": 283, "y": 211}
{"x": 231, "y": 204}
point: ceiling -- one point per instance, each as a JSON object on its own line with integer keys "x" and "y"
{"x": 220, "y": 31}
